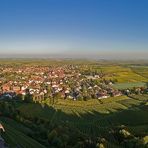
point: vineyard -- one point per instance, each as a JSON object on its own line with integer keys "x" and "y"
{"x": 91, "y": 117}
{"x": 16, "y": 134}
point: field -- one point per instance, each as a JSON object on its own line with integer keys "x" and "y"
{"x": 15, "y": 135}
{"x": 141, "y": 70}
{"x": 129, "y": 85}
{"x": 94, "y": 118}
{"x": 123, "y": 74}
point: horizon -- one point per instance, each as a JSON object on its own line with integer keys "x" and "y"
{"x": 108, "y": 57}
{"x": 94, "y": 30}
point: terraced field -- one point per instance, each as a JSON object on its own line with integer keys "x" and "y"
{"x": 93, "y": 118}
{"x": 88, "y": 117}
{"x": 16, "y": 135}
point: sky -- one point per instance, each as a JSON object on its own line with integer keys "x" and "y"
{"x": 80, "y": 28}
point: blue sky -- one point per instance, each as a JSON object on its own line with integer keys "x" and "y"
{"x": 84, "y": 27}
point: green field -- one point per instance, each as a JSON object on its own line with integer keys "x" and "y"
{"x": 16, "y": 135}
{"x": 141, "y": 70}
{"x": 129, "y": 85}
{"x": 94, "y": 118}
{"x": 123, "y": 74}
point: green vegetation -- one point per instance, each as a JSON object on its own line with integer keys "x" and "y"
{"x": 122, "y": 74}
{"x": 43, "y": 125}
{"x": 14, "y": 135}
{"x": 141, "y": 70}
{"x": 129, "y": 85}
{"x": 84, "y": 122}
{"x": 96, "y": 119}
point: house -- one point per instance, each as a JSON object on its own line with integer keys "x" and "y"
{"x": 16, "y": 88}
{"x": 6, "y": 87}
{"x": 116, "y": 93}
{"x": 102, "y": 95}
{"x": 97, "y": 76}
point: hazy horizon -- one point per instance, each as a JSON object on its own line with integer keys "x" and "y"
{"x": 95, "y": 29}
{"x": 104, "y": 56}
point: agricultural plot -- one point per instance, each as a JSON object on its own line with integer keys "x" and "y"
{"x": 36, "y": 110}
{"x": 139, "y": 129}
{"x": 141, "y": 70}
{"x": 91, "y": 117}
{"x": 129, "y": 85}
{"x": 140, "y": 97}
{"x": 122, "y": 74}
{"x": 16, "y": 138}
{"x": 15, "y": 125}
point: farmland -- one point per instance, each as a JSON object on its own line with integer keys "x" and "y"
{"x": 15, "y": 135}
{"x": 129, "y": 85}
{"x": 90, "y": 118}
{"x": 141, "y": 70}
{"x": 45, "y": 115}
{"x": 124, "y": 74}
{"x": 96, "y": 119}
{"x": 90, "y": 112}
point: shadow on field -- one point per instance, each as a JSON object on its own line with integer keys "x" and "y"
{"x": 89, "y": 122}
{"x": 50, "y": 126}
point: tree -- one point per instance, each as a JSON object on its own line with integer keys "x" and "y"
{"x": 51, "y": 135}
{"x": 28, "y": 98}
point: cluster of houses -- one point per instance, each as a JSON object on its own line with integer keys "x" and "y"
{"x": 65, "y": 82}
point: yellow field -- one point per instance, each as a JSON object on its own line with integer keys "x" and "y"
{"x": 122, "y": 74}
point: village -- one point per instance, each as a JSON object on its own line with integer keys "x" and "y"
{"x": 65, "y": 82}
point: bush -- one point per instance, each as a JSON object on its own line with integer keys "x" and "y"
{"x": 51, "y": 135}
